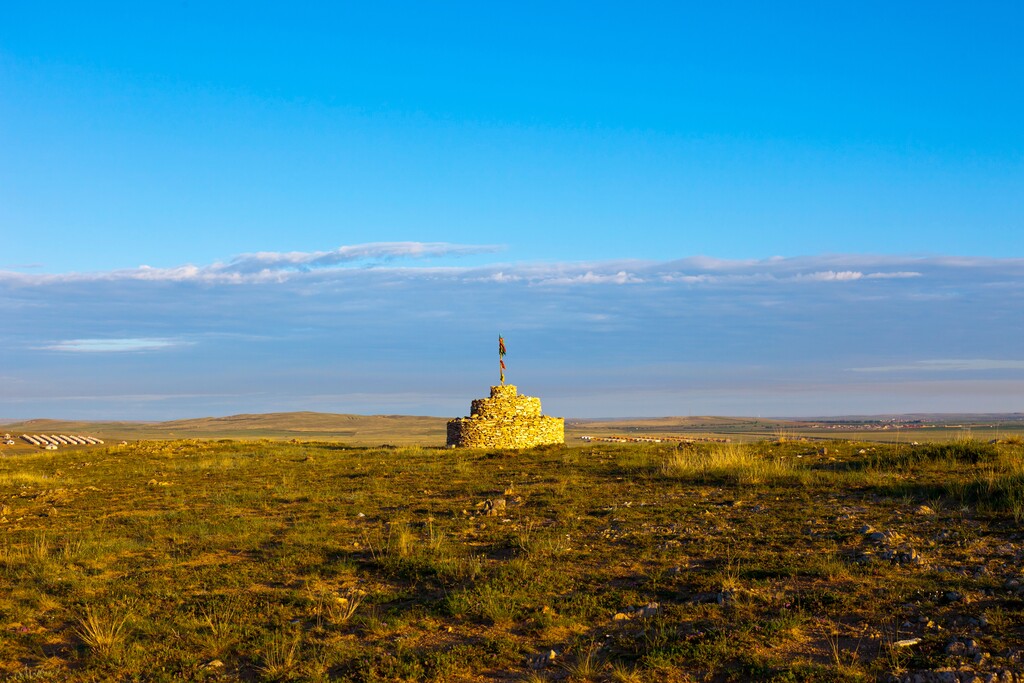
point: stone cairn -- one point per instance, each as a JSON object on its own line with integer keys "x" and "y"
{"x": 505, "y": 420}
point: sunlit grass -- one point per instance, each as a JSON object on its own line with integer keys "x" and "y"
{"x": 23, "y": 478}
{"x": 733, "y": 462}
{"x": 631, "y": 562}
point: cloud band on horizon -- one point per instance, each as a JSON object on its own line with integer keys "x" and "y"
{"x": 694, "y": 335}
{"x": 269, "y": 267}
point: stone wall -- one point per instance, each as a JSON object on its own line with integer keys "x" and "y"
{"x": 505, "y": 420}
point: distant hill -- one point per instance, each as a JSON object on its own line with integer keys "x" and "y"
{"x": 400, "y": 430}
{"x": 944, "y": 418}
{"x": 744, "y": 428}
{"x": 356, "y": 429}
{"x": 698, "y": 422}
{"x": 49, "y": 426}
{"x": 371, "y": 430}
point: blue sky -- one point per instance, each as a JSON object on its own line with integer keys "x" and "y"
{"x": 212, "y": 208}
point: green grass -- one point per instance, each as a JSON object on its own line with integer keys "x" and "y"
{"x": 248, "y": 561}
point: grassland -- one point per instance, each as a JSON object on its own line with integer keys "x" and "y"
{"x": 904, "y": 429}
{"x": 267, "y": 560}
{"x": 410, "y": 430}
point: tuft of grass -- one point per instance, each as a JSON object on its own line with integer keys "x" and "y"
{"x": 39, "y": 550}
{"x": 401, "y": 540}
{"x": 372, "y": 621}
{"x": 533, "y": 541}
{"x": 622, "y": 673}
{"x": 892, "y": 657}
{"x": 222, "y": 625}
{"x": 588, "y": 665}
{"x": 494, "y": 605}
{"x": 782, "y": 435}
{"x": 102, "y": 632}
{"x": 845, "y": 656}
{"x": 548, "y": 545}
{"x": 461, "y": 569}
{"x": 524, "y": 536}
{"x": 281, "y": 655}
{"x": 729, "y": 577}
{"x": 344, "y": 605}
{"x": 436, "y": 538}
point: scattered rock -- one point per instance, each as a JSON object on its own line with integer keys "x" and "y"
{"x": 648, "y": 610}
{"x": 901, "y": 556}
{"x": 495, "y": 507}
{"x": 964, "y": 674}
{"x": 542, "y": 660}
{"x": 711, "y": 598}
{"x": 907, "y": 642}
{"x": 924, "y": 510}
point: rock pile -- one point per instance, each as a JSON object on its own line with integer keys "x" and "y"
{"x": 505, "y": 420}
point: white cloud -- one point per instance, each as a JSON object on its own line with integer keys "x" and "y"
{"x": 831, "y": 276}
{"x": 689, "y": 279}
{"x": 113, "y": 345}
{"x": 373, "y": 251}
{"x": 771, "y": 270}
{"x": 264, "y": 267}
{"x": 592, "y": 278}
{"x": 898, "y": 275}
{"x": 372, "y": 262}
{"x": 501, "y": 276}
{"x": 852, "y": 275}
